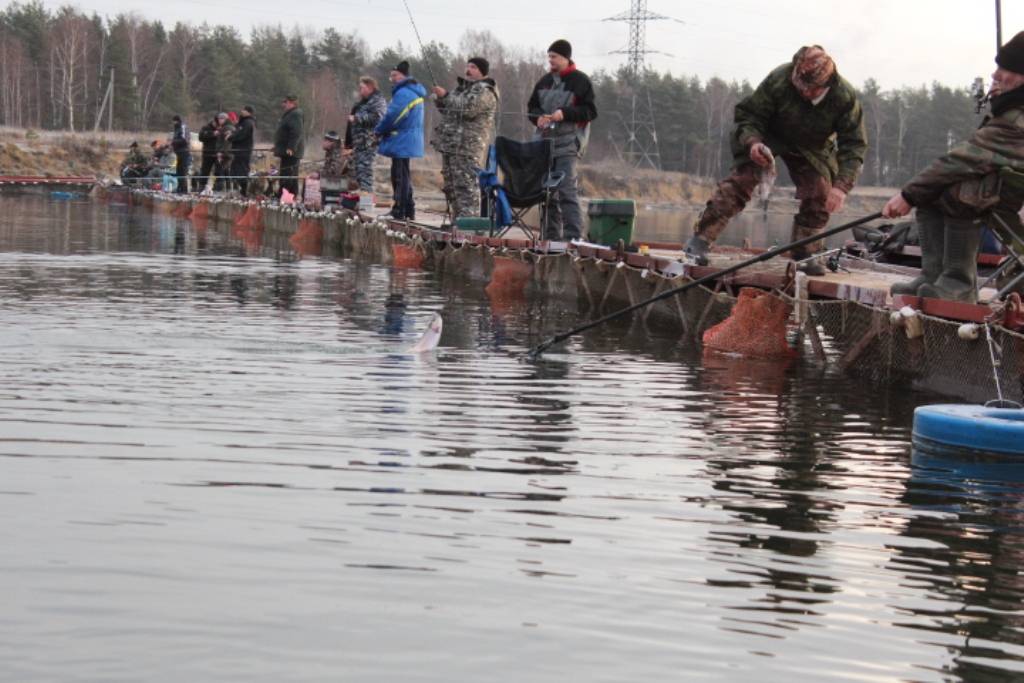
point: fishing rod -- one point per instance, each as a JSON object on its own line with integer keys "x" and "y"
{"x": 770, "y": 254}
{"x": 420, "y": 41}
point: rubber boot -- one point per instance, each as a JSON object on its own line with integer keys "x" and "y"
{"x": 698, "y": 248}
{"x": 959, "y": 278}
{"x": 931, "y": 231}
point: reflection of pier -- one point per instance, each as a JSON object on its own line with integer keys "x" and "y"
{"x": 844, "y": 320}
{"x": 29, "y": 183}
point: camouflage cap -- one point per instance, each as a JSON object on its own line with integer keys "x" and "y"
{"x": 812, "y": 67}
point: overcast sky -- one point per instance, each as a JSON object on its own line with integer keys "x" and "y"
{"x": 898, "y": 42}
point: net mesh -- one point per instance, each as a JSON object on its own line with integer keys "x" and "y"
{"x": 756, "y": 327}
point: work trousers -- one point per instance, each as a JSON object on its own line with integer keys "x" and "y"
{"x": 289, "y": 170}
{"x": 240, "y": 164}
{"x": 461, "y": 186}
{"x": 183, "y": 167}
{"x": 562, "y": 217}
{"x": 401, "y": 187}
{"x": 364, "y": 168}
{"x": 733, "y": 194}
{"x": 200, "y": 182}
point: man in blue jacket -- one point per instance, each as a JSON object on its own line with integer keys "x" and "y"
{"x": 401, "y": 134}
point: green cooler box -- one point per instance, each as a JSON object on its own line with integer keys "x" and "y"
{"x": 611, "y": 220}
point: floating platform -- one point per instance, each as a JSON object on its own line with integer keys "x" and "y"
{"x": 845, "y": 321}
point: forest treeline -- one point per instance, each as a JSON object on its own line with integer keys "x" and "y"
{"x": 56, "y": 66}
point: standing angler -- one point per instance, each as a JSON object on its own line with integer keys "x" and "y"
{"x": 360, "y": 141}
{"x": 289, "y": 144}
{"x": 242, "y": 141}
{"x": 805, "y": 112}
{"x": 964, "y": 185}
{"x": 207, "y": 136}
{"x": 462, "y": 136}
{"x": 562, "y": 107}
{"x": 401, "y": 133}
{"x": 180, "y": 141}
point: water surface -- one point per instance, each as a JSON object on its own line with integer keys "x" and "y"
{"x": 221, "y": 465}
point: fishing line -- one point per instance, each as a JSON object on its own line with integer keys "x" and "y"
{"x": 423, "y": 52}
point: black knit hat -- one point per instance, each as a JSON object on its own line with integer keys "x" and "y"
{"x": 332, "y": 136}
{"x": 1011, "y": 54}
{"x": 561, "y": 47}
{"x": 248, "y": 108}
{"x": 480, "y": 63}
{"x": 402, "y": 68}
{"x": 176, "y": 118}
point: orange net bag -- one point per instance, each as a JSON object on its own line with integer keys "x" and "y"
{"x": 756, "y": 327}
{"x": 509, "y": 278}
{"x": 406, "y": 256}
{"x": 250, "y": 218}
{"x": 308, "y": 240}
{"x": 201, "y": 211}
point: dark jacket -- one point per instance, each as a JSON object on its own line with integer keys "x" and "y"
{"x": 180, "y": 138}
{"x": 401, "y": 129}
{"x": 829, "y": 135}
{"x": 244, "y": 137}
{"x": 208, "y": 136}
{"x": 289, "y": 135}
{"x": 965, "y": 181}
{"x": 368, "y": 113}
{"x": 573, "y": 93}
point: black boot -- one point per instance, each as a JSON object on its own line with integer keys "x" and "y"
{"x": 697, "y": 248}
{"x": 959, "y": 278}
{"x": 931, "y": 231}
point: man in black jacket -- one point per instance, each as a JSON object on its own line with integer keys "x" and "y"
{"x": 562, "y": 107}
{"x": 208, "y": 136}
{"x": 289, "y": 143}
{"x": 241, "y": 148}
{"x": 180, "y": 141}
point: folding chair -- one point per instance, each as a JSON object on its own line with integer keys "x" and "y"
{"x": 526, "y": 181}
{"x": 1007, "y": 227}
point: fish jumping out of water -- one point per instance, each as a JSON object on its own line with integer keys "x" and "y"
{"x": 430, "y": 338}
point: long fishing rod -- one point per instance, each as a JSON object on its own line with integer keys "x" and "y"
{"x": 420, "y": 41}
{"x": 770, "y": 254}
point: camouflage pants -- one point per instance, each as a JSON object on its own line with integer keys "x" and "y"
{"x": 461, "y": 187}
{"x": 733, "y": 194}
{"x": 364, "y": 168}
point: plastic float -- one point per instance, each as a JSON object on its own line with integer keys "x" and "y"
{"x": 975, "y": 428}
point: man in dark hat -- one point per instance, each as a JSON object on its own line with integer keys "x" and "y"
{"x": 806, "y": 113}
{"x": 209, "y": 139}
{"x": 401, "y": 134}
{"x": 242, "y": 140}
{"x": 135, "y": 165}
{"x": 180, "y": 142}
{"x": 562, "y": 107}
{"x": 964, "y": 186}
{"x": 463, "y": 134}
{"x": 289, "y": 144}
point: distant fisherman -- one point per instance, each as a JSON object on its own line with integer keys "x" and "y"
{"x": 964, "y": 185}
{"x": 806, "y": 113}
{"x": 289, "y": 144}
{"x": 180, "y": 141}
{"x": 360, "y": 141}
{"x": 401, "y": 134}
{"x": 462, "y": 136}
{"x": 135, "y": 165}
{"x": 562, "y": 107}
{"x": 242, "y": 142}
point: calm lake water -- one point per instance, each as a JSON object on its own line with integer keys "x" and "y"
{"x": 225, "y": 467}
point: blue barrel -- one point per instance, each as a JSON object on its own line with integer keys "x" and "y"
{"x": 997, "y": 431}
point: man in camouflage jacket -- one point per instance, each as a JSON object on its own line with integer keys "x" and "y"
{"x": 805, "y": 112}
{"x": 360, "y": 141}
{"x": 462, "y": 136}
{"x": 965, "y": 185}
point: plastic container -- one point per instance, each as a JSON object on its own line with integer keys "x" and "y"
{"x": 611, "y": 220}
{"x": 474, "y": 224}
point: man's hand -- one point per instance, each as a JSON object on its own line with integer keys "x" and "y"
{"x": 835, "y": 201}
{"x": 760, "y": 154}
{"x": 289, "y": 153}
{"x": 896, "y": 207}
{"x": 347, "y": 152}
{"x": 543, "y": 121}
{"x": 558, "y": 115}
{"x": 439, "y": 91}
{"x": 351, "y": 118}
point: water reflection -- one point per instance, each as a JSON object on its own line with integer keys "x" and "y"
{"x": 183, "y": 423}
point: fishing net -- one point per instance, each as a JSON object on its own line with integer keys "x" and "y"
{"x": 201, "y": 211}
{"x": 406, "y": 256}
{"x": 308, "y": 240}
{"x": 756, "y": 327}
{"x": 509, "y": 278}
{"x": 870, "y": 343}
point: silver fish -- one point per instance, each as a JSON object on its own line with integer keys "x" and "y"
{"x": 430, "y": 338}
